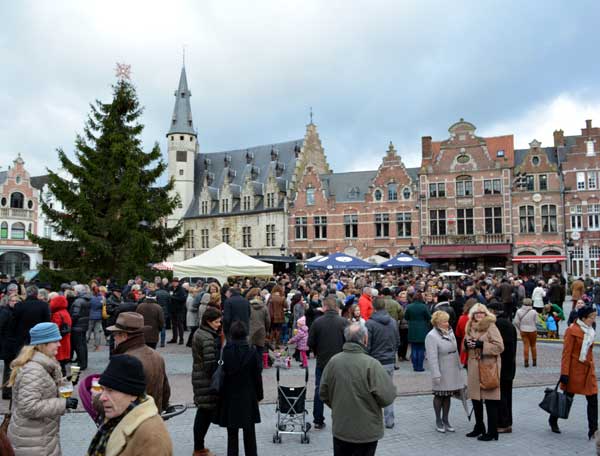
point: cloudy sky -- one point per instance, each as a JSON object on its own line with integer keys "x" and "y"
{"x": 373, "y": 71}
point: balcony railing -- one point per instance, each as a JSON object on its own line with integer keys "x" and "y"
{"x": 469, "y": 239}
{"x": 11, "y": 212}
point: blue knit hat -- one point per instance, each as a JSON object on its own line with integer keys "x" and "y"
{"x": 43, "y": 333}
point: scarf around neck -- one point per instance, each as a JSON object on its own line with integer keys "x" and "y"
{"x": 100, "y": 440}
{"x": 588, "y": 339}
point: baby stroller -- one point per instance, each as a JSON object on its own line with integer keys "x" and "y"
{"x": 540, "y": 326}
{"x": 291, "y": 411}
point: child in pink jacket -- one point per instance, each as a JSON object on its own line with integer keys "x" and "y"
{"x": 301, "y": 340}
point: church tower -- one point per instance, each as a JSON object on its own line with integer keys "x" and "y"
{"x": 182, "y": 147}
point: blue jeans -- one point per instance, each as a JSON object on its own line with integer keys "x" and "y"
{"x": 318, "y": 417}
{"x": 417, "y": 355}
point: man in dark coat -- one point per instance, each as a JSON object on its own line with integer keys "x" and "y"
{"x": 504, "y": 294}
{"x": 556, "y": 293}
{"x": 177, "y": 311}
{"x": 154, "y": 320}
{"x": 129, "y": 339}
{"x": 383, "y": 343}
{"x": 163, "y": 298}
{"x": 529, "y": 285}
{"x": 29, "y": 313}
{"x": 325, "y": 339}
{"x": 235, "y": 308}
{"x": 80, "y": 315}
{"x": 507, "y": 373}
{"x": 8, "y": 340}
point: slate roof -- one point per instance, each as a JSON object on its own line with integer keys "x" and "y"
{"x": 256, "y": 162}
{"x": 181, "y": 122}
{"x": 3, "y": 176}
{"x": 348, "y": 187}
{"x": 520, "y": 155}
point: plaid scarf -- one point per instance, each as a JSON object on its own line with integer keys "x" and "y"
{"x": 100, "y": 440}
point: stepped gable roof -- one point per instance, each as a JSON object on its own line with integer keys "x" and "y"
{"x": 234, "y": 163}
{"x": 348, "y": 187}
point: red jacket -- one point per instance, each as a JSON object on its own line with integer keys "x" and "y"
{"x": 60, "y": 315}
{"x": 460, "y": 336}
{"x": 366, "y": 306}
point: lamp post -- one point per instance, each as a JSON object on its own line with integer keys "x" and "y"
{"x": 282, "y": 250}
{"x": 570, "y": 250}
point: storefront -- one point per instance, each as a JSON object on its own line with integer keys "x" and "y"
{"x": 546, "y": 265}
{"x": 466, "y": 257}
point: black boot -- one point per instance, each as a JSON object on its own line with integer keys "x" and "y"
{"x": 553, "y": 422}
{"x": 479, "y": 426}
{"x": 487, "y": 437}
{"x": 477, "y": 431}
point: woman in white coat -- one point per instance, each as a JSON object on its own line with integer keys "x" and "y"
{"x": 537, "y": 296}
{"x": 444, "y": 364}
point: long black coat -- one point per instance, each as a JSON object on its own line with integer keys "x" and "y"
{"x": 29, "y": 313}
{"x": 206, "y": 347}
{"x": 243, "y": 389}
{"x": 236, "y": 308}
{"x": 508, "y": 356}
{"x": 9, "y": 346}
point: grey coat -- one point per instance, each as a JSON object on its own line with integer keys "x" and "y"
{"x": 384, "y": 338}
{"x": 192, "y": 316}
{"x": 34, "y": 428}
{"x": 443, "y": 361}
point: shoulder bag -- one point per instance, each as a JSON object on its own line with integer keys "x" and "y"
{"x": 5, "y": 445}
{"x": 218, "y": 377}
{"x": 64, "y": 327}
{"x": 489, "y": 375}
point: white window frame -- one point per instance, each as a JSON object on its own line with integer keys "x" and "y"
{"x": 576, "y": 217}
{"x": 592, "y": 180}
{"x": 581, "y": 180}
{"x": 593, "y": 217}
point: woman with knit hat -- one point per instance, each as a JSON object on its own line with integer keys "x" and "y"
{"x": 36, "y": 406}
{"x": 131, "y": 423}
{"x": 577, "y": 372}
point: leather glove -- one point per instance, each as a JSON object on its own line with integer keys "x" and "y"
{"x": 478, "y": 344}
{"x": 564, "y": 379}
{"x": 72, "y": 403}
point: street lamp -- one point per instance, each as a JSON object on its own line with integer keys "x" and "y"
{"x": 282, "y": 250}
{"x": 570, "y": 250}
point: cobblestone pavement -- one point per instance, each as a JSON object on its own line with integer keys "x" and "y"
{"x": 414, "y": 433}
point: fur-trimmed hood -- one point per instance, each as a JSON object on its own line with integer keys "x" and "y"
{"x": 481, "y": 326}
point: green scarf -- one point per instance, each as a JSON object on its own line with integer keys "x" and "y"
{"x": 100, "y": 440}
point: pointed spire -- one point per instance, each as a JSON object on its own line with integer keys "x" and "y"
{"x": 181, "y": 121}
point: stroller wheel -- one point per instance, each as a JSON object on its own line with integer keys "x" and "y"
{"x": 304, "y": 438}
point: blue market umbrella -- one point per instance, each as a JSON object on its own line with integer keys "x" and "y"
{"x": 403, "y": 260}
{"x": 338, "y": 261}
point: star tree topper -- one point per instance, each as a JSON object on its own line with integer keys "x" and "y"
{"x": 123, "y": 71}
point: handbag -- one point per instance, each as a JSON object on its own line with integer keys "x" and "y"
{"x": 489, "y": 375}
{"x": 556, "y": 403}
{"x": 64, "y": 327}
{"x": 218, "y": 377}
{"x": 5, "y": 445}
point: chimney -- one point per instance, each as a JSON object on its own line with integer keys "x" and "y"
{"x": 559, "y": 138}
{"x": 426, "y": 148}
{"x": 588, "y": 124}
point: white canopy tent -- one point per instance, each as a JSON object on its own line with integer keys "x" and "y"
{"x": 221, "y": 262}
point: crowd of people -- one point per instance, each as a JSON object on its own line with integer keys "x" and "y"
{"x": 358, "y": 326}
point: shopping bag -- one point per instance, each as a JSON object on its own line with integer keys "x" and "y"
{"x": 556, "y": 403}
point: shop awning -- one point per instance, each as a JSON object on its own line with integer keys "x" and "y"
{"x": 539, "y": 259}
{"x": 460, "y": 251}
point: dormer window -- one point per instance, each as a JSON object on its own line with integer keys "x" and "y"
{"x": 270, "y": 199}
{"x": 500, "y": 153}
{"x": 225, "y": 205}
{"x": 310, "y": 196}
{"x": 204, "y": 207}
{"x": 589, "y": 146}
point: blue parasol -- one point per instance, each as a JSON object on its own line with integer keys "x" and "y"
{"x": 338, "y": 261}
{"x": 403, "y": 260}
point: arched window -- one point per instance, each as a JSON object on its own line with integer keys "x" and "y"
{"x": 378, "y": 195}
{"x": 392, "y": 192}
{"x": 14, "y": 263}
{"x": 4, "y": 230}
{"x": 464, "y": 186}
{"x": 17, "y": 200}
{"x": 406, "y": 193}
{"x": 17, "y": 231}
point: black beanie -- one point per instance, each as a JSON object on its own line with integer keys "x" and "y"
{"x": 585, "y": 311}
{"x": 124, "y": 373}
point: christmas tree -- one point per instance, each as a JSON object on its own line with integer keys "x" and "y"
{"x": 114, "y": 214}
